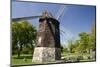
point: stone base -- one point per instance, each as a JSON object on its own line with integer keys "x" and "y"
{"x": 46, "y": 54}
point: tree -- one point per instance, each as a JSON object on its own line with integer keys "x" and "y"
{"x": 70, "y": 45}
{"x": 76, "y": 46}
{"x": 85, "y": 44}
{"x": 87, "y": 41}
{"x": 84, "y": 41}
{"x": 92, "y": 45}
{"x": 93, "y": 37}
{"x": 23, "y": 34}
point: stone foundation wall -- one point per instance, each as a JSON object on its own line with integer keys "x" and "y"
{"x": 46, "y": 54}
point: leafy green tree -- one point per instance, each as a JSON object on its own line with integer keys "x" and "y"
{"x": 76, "y": 46}
{"x": 92, "y": 41}
{"x": 15, "y": 36}
{"x": 93, "y": 37}
{"x": 23, "y": 34}
{"x": 64, "y": 49}
{"x": 84, "y": 41}
{"x": 85, "y": 44}
{"x": 70, "y": 45}
{"x": 87, "y": 41}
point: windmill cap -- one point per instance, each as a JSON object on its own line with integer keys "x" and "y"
{"x": 47, "y": 14}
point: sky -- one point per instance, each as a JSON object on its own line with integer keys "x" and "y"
{"x": 74, "y": 19}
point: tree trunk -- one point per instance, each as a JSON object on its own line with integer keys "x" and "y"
{"x": 19, "y": 51}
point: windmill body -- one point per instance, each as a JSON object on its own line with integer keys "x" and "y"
{"x": 48, "y": 39}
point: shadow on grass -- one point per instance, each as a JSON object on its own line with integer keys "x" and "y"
{"x": 21, "y": 57}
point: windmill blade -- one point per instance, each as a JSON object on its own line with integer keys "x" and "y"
{"x": 25, "y": 18}
{"x": 60, "y": 12}
{"x": 66, "y": 33}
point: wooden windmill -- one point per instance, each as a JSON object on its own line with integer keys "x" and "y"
{"x": 48, "y": 37}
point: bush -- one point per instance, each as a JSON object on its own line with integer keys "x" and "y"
{"x": 80, "y": 57}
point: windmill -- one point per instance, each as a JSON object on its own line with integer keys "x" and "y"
{"x": 48, "y": 37}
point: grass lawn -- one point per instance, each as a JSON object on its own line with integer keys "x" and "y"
{"x": 21, "y": 61}
{"x": 27, "y": 59}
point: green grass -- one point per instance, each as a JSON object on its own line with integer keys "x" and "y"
{"x": 20, "y": 61}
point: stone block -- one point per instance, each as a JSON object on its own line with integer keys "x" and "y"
{"x": 46, "y": 54}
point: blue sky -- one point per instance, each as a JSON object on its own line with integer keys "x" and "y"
{"x": 75, "y": 18}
